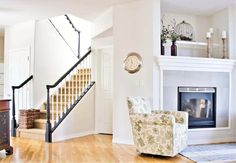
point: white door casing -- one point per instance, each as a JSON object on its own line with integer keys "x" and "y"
{"x": 18, "y": 71}
{"x": 104, "y": 109}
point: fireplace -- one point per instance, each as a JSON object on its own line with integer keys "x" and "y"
{"x": 200, "y": 103}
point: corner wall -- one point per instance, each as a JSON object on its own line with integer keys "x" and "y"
{"x": 1, "y": 49}
{"x": 134, "y": 31}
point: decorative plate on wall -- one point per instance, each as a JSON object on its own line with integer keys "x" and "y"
{"x": 133, "y": 63}
{"x": 185, "y": 30}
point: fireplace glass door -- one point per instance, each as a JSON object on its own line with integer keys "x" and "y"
{"x": 200, "y": 104}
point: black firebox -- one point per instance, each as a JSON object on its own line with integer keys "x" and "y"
{"x": 200, "y": 103}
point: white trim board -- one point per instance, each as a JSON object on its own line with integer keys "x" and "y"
{"x": 71, "y": 136}
{"x": 122, "y": 141}
{"x": 211, "y": 140}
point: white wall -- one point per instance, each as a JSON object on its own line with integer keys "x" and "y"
{"x": 1, "y": 49}
{"x": 19, "y": 36}
{"x": 71, "y": 36}
{"x": 220, "y": 22}
{"x": 200, "y": 24}
{"x": 102, "y": 22}
{"x": 80, "y": 121}
{"x": 133, "y": 32}
{"x": 102, "y": 43}
{"x": 232, "y": 54}
{"x": 232, "y": 32}
{"x": 52, "y": 59}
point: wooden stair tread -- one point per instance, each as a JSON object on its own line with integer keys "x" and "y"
{"x": 42, "y": 121}
{"x": 33, "y": 130}
{"x": 55, "y": 103}
{"x": 43, "y": 111}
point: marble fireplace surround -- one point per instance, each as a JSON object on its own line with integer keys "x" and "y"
{"x": 179, "y": 71}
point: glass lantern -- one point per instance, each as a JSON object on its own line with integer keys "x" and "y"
{"x": 185, "y": 31}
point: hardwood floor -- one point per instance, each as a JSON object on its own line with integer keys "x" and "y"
{"x": 88, "y": 149}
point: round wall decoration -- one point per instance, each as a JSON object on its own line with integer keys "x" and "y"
{"x": 133, "y": 62}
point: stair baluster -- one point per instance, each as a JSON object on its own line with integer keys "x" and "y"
{"x": 57, "y": 105}
{"x": 76, "y": 87}
{"x": 79, "y": 85}
{"x": 52, "y": 113}
{"x": 65, "y": 98}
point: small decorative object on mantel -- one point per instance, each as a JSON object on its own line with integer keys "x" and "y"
{"x": 133, "y": 63}
{"x": 208, "y": 37}
{"x": 164, "y": 36}
{"x": 174, "y": 37}
{"x": 224, "y": 44}
{"x": 211, "y": 30}
{"x": 185, "y": 31}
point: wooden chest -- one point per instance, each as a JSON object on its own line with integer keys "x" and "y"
{"x": 5, "y": 127}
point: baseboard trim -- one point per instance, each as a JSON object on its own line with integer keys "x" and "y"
{"x": 71, "y": 136}
{"x": 122, "y": 141}
{"x": 211, "y": 141}
{"x": 190, "y": 142}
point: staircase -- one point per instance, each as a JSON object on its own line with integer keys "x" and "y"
{"x": 62, "y": 96}
{"x": 78, "y": 84}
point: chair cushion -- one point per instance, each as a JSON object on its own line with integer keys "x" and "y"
{"x": 139, "y": 105}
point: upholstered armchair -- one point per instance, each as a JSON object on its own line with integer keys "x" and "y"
{"x": 157, "y": 132}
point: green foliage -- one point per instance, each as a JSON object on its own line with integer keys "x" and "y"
{"x": 164, "y": 34}
{"x": 169, "y": 32}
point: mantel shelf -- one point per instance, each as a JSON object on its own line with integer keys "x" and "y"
{"x": 189, "y": 44}
{"x": 194, "y": 64}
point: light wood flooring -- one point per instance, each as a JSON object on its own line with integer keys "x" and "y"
{"x": 88, "y": 149}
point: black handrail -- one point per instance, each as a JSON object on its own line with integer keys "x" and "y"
{"x": 22, "y": 84}
{"x": 69, "y": 71}
{"x": 49, "y": 129}
{"x": 76, "y": 30}
{"x": 13, "y": 121}
{"x": 62, "y": 36}
{"x": 68, "y": 18}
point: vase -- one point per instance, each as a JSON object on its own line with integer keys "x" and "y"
{"x": 162, "y": 49}
{"x": 173, "y": 49}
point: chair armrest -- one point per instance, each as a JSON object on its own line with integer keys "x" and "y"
{"x": 153, "y": 119}
{"x": 180, "y": 116}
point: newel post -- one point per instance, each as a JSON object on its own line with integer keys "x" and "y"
{"x": 13, "y": 120}
{"x": 48, "y": 135}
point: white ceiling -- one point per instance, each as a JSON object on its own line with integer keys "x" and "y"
{"x": 15, "y": 11}
{"x": 195, "y": 7}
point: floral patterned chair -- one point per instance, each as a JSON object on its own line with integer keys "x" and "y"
{"x": 157, "y": 132}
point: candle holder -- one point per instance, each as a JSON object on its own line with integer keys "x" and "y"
{"x": 209, "y": 51}
{"x": 224, "y": 48}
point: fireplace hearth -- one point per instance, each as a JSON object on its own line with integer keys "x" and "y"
{"x": 200, "y": 103}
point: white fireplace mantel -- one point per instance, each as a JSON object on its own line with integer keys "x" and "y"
{"x": 194, "y": 64}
